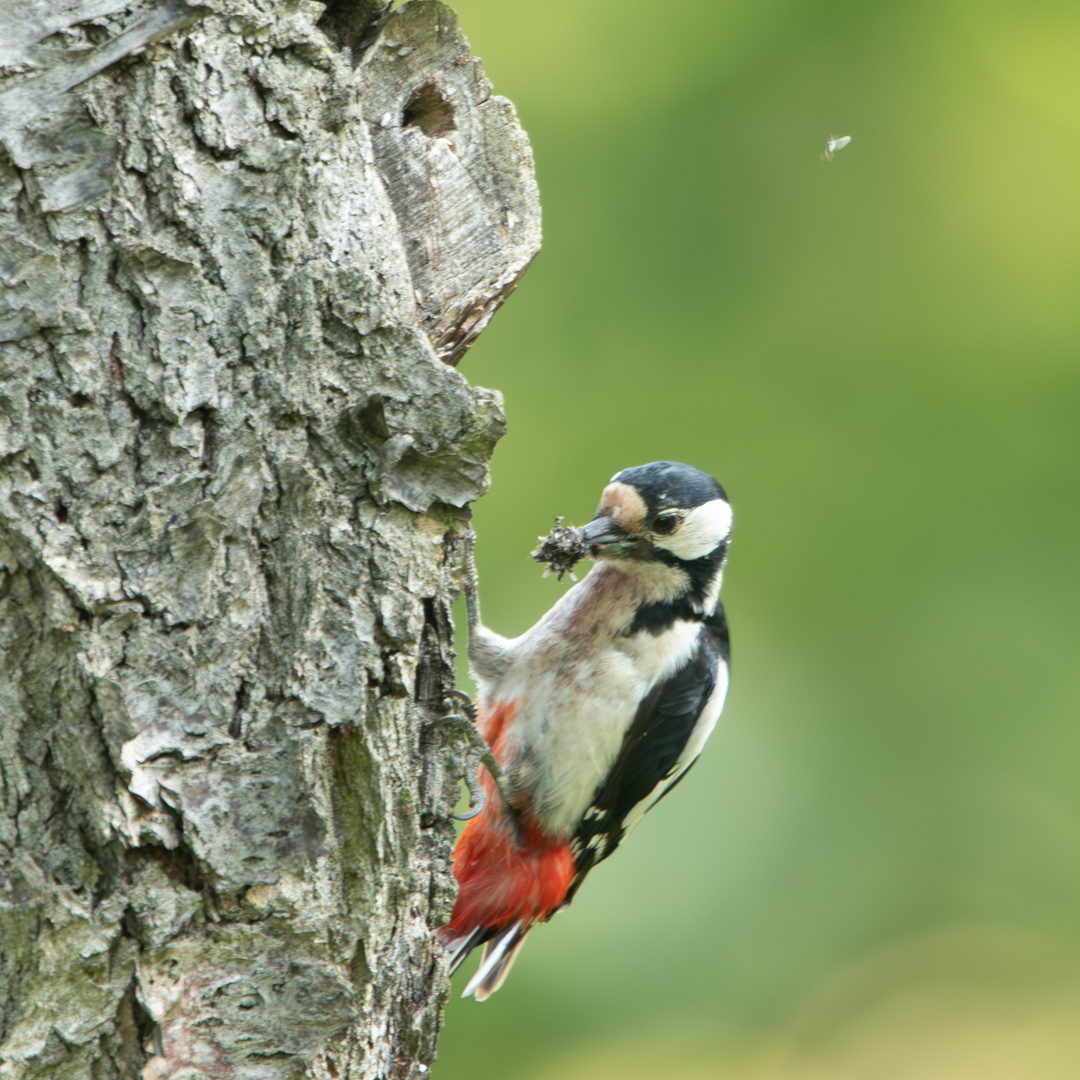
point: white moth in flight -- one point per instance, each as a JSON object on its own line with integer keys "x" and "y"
{"x": 834, "y": 143}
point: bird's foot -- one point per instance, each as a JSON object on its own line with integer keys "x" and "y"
{"x": 461, "y": 719}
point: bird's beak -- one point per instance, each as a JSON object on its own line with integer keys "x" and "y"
{"x": 605, "y": 536}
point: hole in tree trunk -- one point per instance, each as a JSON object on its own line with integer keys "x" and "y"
{"x": 430, "y": 111}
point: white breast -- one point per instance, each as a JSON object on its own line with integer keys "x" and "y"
{"x": 576, "y": 684}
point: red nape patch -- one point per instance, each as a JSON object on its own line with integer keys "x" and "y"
{"x": 503, "y": 876}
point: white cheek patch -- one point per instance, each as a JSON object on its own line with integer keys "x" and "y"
{"x": 703, "y": 529}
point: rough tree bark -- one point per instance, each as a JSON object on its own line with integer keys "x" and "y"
{"x": 242, "y": 245}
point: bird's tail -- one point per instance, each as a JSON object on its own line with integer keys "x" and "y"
{"x": 460, "y": 947}
{"x": 499, "y": 956}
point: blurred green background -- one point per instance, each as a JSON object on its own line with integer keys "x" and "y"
{"x": 874, "y": 871}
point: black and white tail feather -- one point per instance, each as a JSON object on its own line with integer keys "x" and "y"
{"x": 500, "y": 952}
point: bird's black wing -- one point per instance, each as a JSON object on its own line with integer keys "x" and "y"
{"x": 651, "y": 748}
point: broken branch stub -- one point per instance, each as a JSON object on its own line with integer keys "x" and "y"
{"x": 459, "y": 172}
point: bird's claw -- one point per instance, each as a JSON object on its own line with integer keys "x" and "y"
{"x": 464, "y": 701}
{"x": 461, "y": 713}
{"x": 477, "y": 798}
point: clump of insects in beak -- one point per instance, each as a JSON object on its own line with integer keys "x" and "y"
{"x": 561, "y": 549}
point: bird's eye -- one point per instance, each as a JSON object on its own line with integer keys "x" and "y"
{"x": 666, "y": 524}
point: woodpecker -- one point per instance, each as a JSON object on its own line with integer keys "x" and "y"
{"x": 595, "y": 713}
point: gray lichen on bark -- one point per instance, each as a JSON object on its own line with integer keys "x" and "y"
{"x": 241, "y": 247}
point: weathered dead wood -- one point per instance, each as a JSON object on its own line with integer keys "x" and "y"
{"x": 241, "y": 245}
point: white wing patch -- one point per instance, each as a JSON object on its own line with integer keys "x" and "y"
{"x": 698, "y": 737}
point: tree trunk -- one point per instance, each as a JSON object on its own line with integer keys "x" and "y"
{"x": 242, "y": 245}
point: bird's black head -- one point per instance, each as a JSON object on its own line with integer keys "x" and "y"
{"x": 665, "y": 511}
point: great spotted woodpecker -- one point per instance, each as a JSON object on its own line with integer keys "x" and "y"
{"x": 595, "y": 713}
